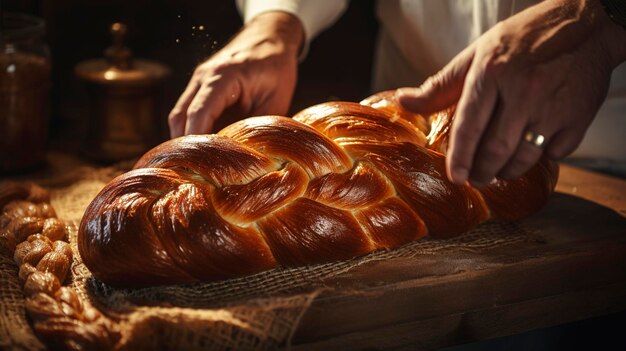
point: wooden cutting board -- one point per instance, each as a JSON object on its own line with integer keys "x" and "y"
{"x": 576, "y": 269}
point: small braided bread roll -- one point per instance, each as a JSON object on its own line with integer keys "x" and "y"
{"x": 37, "y": 241}
{"x": 337, "y": 181}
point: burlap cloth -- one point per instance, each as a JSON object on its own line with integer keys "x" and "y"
{"x": 257, "y": 312}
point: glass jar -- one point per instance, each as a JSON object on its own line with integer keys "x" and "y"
{"x": 24, "y": 89}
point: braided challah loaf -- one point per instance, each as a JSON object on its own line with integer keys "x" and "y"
{"x": 337, "y": 181}
{"x": 37, "y": 241}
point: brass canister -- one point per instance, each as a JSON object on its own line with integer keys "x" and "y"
{"x": 123, "y": 120}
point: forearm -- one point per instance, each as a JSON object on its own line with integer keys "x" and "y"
{"x": 276, "y": 28}
{"x": 315, "y": 16}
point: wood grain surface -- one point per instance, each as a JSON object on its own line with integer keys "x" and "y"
{"x": 576, "y": 269}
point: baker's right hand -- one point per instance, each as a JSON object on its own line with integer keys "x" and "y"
{"x": 256, "y": 71}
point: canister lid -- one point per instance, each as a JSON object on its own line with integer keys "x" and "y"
{"x": 119, "y": 67}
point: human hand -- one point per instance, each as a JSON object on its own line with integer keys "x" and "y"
{"x": 545, "y": 71}
{"x": 256, "y": 72}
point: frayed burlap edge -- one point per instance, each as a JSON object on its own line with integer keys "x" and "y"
{"x": 15, "y": 331}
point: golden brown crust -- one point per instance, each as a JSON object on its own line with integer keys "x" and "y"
{"x": 337, "y": 181}
{"x": 532, "y": 190}
{"x": 419, "y": 177}
{"x": 306, "y": 232}
{"x": 386, "y": 101}
{"x": 345, "y": 121}
{"x": 361, "y": 187}
{"x": 436, "y": 127}
{"x": 391, "y": 216}
{"x": 288, "y": 140}
{"x": 238, "y": 164}
{"x": 246, "y": 203}
{"x": 37, "y": 241}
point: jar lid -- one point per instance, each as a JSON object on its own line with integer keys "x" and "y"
{"x": 119, "y": 67}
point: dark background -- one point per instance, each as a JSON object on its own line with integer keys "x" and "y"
{"x": 337, "y": 67}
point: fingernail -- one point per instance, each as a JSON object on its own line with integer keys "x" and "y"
{"x": 459, "y": 175}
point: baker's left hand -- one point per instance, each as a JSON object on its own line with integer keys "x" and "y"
{"x": 529, "y": 86}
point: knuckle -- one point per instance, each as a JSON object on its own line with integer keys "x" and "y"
{"x": 228, "y": 67}
{"x": 200, "y": 70}
{"x": 436, "y": 82}
{"x": 214, "y": 67}
{"x": 221, "y": 67}
{"x": 499, "y": 54}
{"x": 175, "y": 116}
{"x": 496, "y": 61}
{"x": 193, "y": 112}
{"x": 430, "y": 84}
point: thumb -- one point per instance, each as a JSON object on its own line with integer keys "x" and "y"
{"x": 441, "y": 90}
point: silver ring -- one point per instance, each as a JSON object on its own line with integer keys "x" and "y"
{"x": 535, "y": 139}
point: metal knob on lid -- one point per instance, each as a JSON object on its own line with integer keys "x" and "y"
{"x": 123, "y": 119}
{"x": 118, "y": 55}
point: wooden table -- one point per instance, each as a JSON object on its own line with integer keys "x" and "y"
{"x": 578, "y": 271}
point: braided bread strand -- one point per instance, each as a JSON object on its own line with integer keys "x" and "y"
{"x": 336, "y": 181}
{"x": 37, "y": 240}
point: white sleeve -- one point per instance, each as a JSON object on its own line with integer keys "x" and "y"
{"x": 315, "y": 15}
